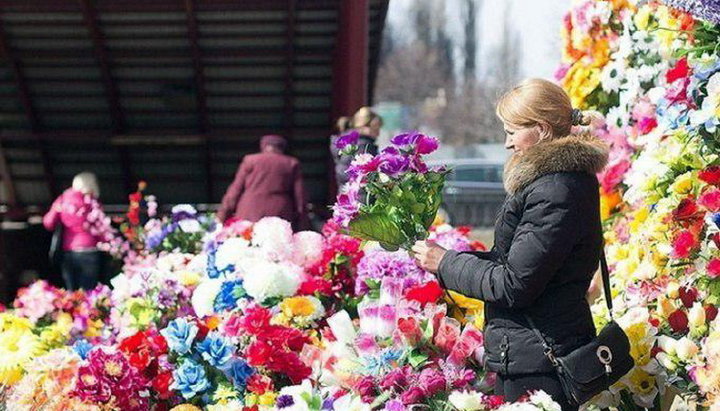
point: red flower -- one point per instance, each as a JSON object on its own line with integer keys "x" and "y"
{"x": 464, "y": 229}
{"x": 710, "y": 175}
{"x": 161, "y": 384}
{"x": 716, "y": 239}
{"x": 683, "y": 244}
{"x": 478, "y": 246}
{"x": 686, "y": 209}
{"x": 681, "y": 70}
{"x": 289, "y": 363}
{"x": 409, "y": 330}
{"x": 260, "y": 384}
{"x": 256, "y": 319}
{"x": 710, "y": 312}
{"x": 258, "y": 353}
{"x": 710, "y": 200}
{"x": 713, "y": 268}
{"x": 654, "y": 322}
{"x": 678, "y": 321}
{"x": 494, "y": 401}
{"x": 314, "y": 285}
{"x": 428, "y": 293}
{"x": 688, "y": 296}
{"x": 646, "y": 125}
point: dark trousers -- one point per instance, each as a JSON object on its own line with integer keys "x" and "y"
{"x": 513, "y": 387}
{"x": 81, "y": 269}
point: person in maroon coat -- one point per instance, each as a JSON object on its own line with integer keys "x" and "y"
{"x": 267, "y": 184}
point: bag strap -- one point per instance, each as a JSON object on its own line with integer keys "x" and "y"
{"x": 605, "y": 273}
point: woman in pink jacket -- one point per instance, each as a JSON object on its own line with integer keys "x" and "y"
{"x": 80, "y": 213}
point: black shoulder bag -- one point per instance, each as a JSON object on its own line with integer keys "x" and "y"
{"x": 592, "y": 368}
{"x": 55, "y": 253}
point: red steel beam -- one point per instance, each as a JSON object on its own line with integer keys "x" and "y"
{"x": 112, "y": 94}
{"x": 193, "y": 34}
{"x": 350, "y": 72}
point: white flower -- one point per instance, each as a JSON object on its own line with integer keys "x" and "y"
{"x": 696, "y": 316}
{"x": 190, "y": 225}
{"x": 667, "y": 344}
{"x": 267, "y": 279}
{"x": 307, "y": 248}
{"x": 184, "y": 208}
{"x": 709, "y": 112}
{"x": 342, "y": 327}
{"x": 618, "y": 117}
{"x": 544, "y": 401}
{"x": 274, "y": 236}
{"x": 644, "y": 41}
{"x": 686, "y": 349}
{"x": 230, "y": 252}
{"x": 612, "y": 76}
{"x": 351, "y": 402}
{"x": 203, "y": 298}
{"x": 666, "y": 361}
{"x": 466, "y": 401}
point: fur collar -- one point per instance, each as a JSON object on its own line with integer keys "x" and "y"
{"x": 582, "y": 152}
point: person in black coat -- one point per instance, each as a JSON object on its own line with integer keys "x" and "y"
{"x": 548, "y": 238}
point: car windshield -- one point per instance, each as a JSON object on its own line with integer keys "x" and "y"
{"x": 477, "y": 173}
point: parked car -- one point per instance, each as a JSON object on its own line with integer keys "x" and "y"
{"x": 473, "y": 192}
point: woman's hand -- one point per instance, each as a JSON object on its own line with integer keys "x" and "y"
{"x": 428, "y": 255}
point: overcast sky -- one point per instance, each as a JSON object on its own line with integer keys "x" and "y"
{"x": 536, "y": 22}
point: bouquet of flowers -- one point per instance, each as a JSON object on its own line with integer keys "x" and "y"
{"x": 391, "y": 198}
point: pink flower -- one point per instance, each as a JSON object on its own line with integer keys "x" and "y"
{"x": 683, "y": 244}
{"x": 432, "y": 381}
{"x": 396, "y": 379}
{"x": 710, "y": 200}
{"x": 713, "y": 268}
{"x": 613, "y": 174}
{"x": 447, "y": 334}
{"x": 413, "y": 395}
{"x": 366, "y": 389}
{"x": 469, "y": 341}
{"x": 365, "y": 343}
{"x": 409, "y": 330}
{"x": 91, "y": 387}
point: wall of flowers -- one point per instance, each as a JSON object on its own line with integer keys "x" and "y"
{"x": 653, "y": 70}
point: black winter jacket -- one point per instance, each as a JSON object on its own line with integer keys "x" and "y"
{"x": 548, "y": 238}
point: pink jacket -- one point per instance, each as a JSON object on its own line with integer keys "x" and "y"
{"x": 70, "y": 209}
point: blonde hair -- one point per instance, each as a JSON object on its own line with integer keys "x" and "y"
{"x": 364, "y": 116}
{"x": 86, "y": 183}
{"x": 536, "y": 101}
{"x": 343, "y": 124}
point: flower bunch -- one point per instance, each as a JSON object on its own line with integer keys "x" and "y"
{"x": 393, "y": 197}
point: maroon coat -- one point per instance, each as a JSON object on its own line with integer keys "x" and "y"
{"x": 266, "y": 184}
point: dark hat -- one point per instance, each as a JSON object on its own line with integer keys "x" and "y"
{"x": 273, "y": 140}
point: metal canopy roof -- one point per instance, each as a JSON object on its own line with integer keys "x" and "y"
{"x": 172, "y": 92}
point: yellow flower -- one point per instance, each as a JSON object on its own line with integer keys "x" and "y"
{"x": 17, "y": 349}
{"x": 608, "y": 202}
{"x": 641, "y": 382}
{"x": 189, "y": 278}
{"x": 224, "y": 393}
{"x": 13, "y": 322}
{"x": 642, "y": 18}
{"x": 251, "y": 399}
{"x": 639, "y": 217}
{"x": 639, "y": 345}
{"x": 580, "y": 81}
{"x": 185, "y": 407}
{"x": 267, "y": 399}
{"x": 683, "y": 184}
{"x": 297, "y": 306}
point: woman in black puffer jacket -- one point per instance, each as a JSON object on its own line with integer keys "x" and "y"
{"x": 548, "y": 238}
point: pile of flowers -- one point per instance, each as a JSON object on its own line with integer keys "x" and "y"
{"x": 654, "y": 72}
{"x": 251, "y": 316}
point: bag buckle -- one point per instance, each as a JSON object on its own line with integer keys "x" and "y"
{"x": 605, "y": 356}
{"x": 549, "y": 354}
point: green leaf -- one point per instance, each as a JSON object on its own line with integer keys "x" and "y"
{"x": 377, "y": 227}
{"x": 417, "y": 358}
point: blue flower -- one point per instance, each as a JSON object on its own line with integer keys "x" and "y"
{"x": 189, "y": 379}
{"x": 215, "y": 349}
{"x": 238, "y": 371}
{"x": 82, "y": 347}
{"x": 230, "y": 293}
{"x": 180, "y": 335}
{"x": 716, "y": 219}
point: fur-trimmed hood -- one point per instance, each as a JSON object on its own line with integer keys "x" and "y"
{"x": 581, "y": 152}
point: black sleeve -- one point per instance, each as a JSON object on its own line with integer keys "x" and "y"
{"x": 543, "y": 239}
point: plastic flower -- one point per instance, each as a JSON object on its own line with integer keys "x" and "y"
{"x": 215, "y": 349}
{"x": 238, "y": 372}
{"x": 307, "y": 307}
{"x": 17, "y": 348}
{"x": 180, "y": 335}
{"x": 267, "y": 279}
{"x": 189, "y": 379}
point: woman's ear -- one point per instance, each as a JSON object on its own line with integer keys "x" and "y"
{"x": 545, "y": 131}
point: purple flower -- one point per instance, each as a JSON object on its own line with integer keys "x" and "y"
{"x": 393, "y": 165}
{"x": 349, "y": 139}
{"x": 284, "y": 401}
{"x": 422, "y": 143}
{"x": 705, "y": 10}
{"x": 347, "y": 205}
{"x": 395, "y": 405}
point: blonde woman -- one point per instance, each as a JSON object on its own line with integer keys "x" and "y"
{"x": 548, "y": 239}
{"x": 75, "y": 209}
